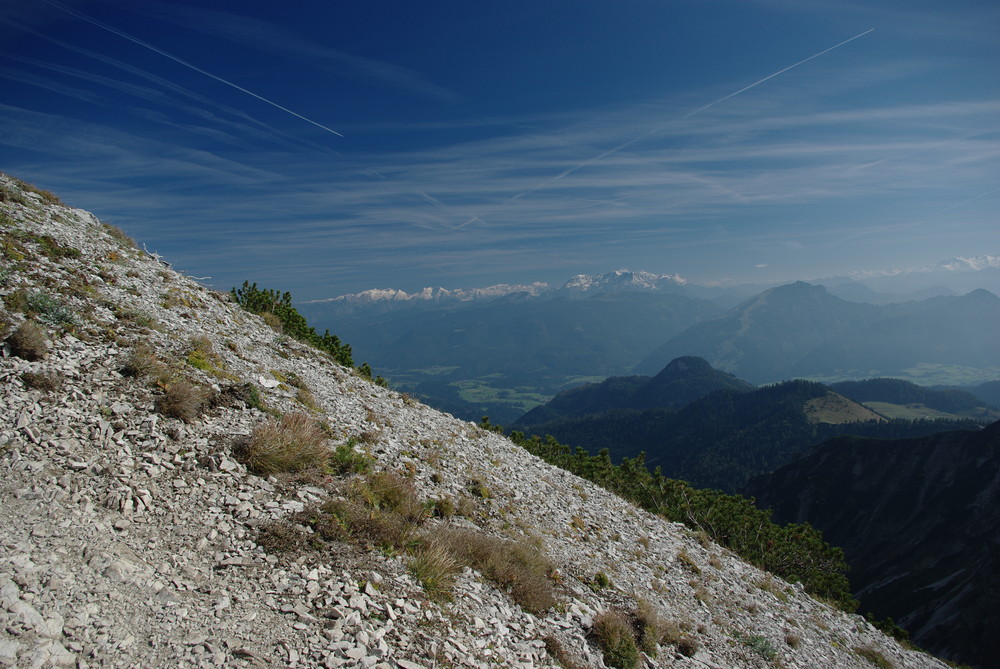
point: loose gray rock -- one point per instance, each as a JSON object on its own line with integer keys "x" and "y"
{"x": 132, "y": 535}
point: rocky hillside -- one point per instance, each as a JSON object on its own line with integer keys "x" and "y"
{"x": 132, "y": 532}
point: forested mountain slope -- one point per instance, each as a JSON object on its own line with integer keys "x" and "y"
{"x": 918, "y": 521}
{"x": 679, "y": 383}
{"x": 728, "y": 436}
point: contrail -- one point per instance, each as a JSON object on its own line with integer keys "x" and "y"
{"x": 772, "y": 76}
{"x": 965, "y": 202}
{"x": 135, "y": 40}
{"x": 623, "y": 145}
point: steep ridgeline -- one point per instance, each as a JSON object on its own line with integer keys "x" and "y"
{"x": 679, "y": 383}
{"x": 722, "y": 439}
{"x": 919, "y": 523}
{"x": 183, "y": 485}
{"x": 801, "y": 330}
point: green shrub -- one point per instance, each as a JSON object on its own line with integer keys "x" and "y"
{"x": 201, "y": 354}
{"x": 346, "y": 520}
{"x": 263, "y": 301}
{"x": 293, "y": 443}
{"x": 600, "y": 581}
{"x": 29, "y": 341}
{"x": 757, "y": 644}
{"x": 346, "y": 460}
{"x": 615, "y": 638}
{"x": 477, "y": 487}
{"x": 42, "y": 306}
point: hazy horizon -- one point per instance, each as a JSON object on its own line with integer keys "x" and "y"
{"x": 332, "y": 149}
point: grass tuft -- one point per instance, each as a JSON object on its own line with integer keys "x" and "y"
{"x": 45, "y": 381}
{"x": 613, "y": 633}
{"x": 182, "y": 400}
{"x": 293, "y": 443}
{"x": 436, "y": 567}
{"x": 29, "y": 341}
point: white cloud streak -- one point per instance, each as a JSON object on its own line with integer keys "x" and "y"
{"x": 165, "y": 54}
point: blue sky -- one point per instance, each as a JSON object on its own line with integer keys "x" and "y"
{"x": 329, "y": 147}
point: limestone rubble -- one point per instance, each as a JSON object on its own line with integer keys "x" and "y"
{"x": 127, "y": 538}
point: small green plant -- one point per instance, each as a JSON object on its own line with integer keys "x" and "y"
{"x": 293, "y": 443}
{"x": 757, "y": 644}
{"x": 599, "y": 582}
{"x": 477, "y": 487}
{"x": 201, "y": 354}
{"x": 346, "y": 460}
{"x": 42, "y": 306}
{"x": 613, "y": 633}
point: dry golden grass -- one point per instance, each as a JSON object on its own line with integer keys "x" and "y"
{"x": 517, "y": 566}
{"x": 29, "y": 341}
{"x": 293, "y": 443}
{"x": 182, "y": 400}
{"x": 436, "y": 568}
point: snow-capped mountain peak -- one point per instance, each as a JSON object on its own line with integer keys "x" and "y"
{"x": 623, "y": 279}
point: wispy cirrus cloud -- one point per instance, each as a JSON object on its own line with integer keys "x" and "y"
{"x": 268, "y": 37}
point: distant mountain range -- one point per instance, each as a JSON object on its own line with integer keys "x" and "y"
{"x": 919, "y": 524}
{"x": 801, "y": 330}
{"x": 948, "y": 277}
{"x": 502, "y": 350}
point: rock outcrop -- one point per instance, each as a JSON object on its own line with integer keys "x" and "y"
{"x": 131, "y": 534}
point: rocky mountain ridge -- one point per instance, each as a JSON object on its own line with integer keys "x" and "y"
{"x": 131, "y": 534}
